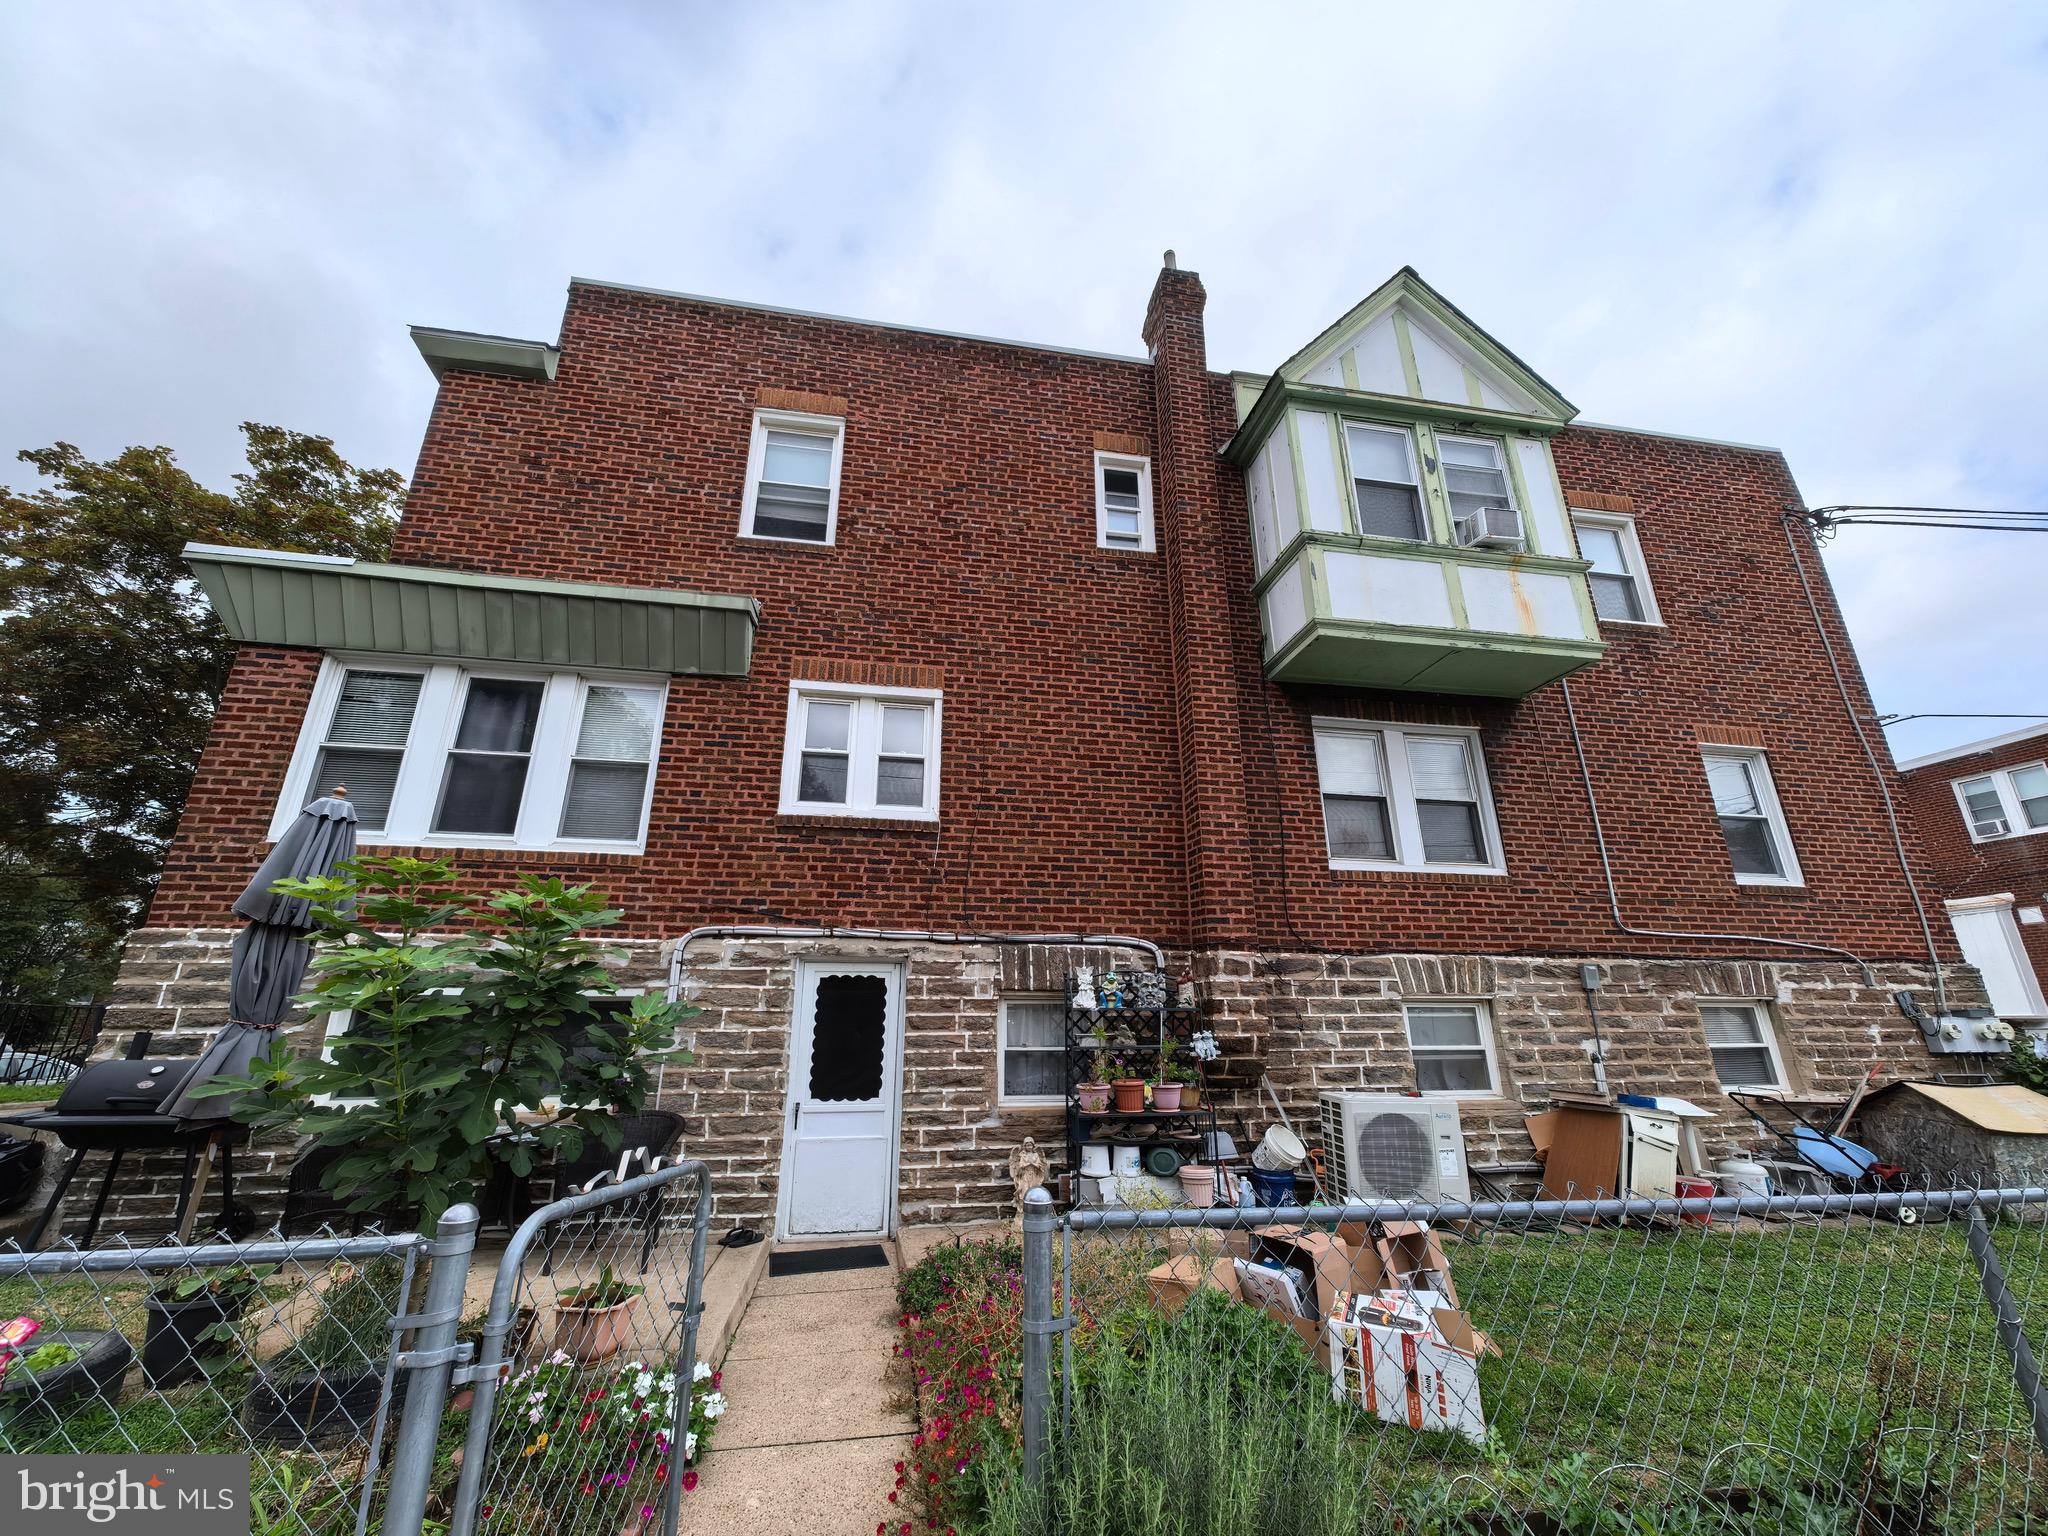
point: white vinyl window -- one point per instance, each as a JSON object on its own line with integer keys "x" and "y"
{"x": 1034, "y": 1063}
{"x": 1752, "y": 821}
{"x": 2011, "y": 802}
{"x": 852, "y": 751}
{"x": 1405, "y": 797}
{"x": 1452, "y": 1045}
{"x": 1475, "y": 475}
{"x": 1740, "y": 1041}
{"x": 792, "y": 489}
{"x": 454, "y": 756}
{"x": 1123, "y": 502}
{"x": 1386, "y": 489}
{"x": 1620, "y": 579}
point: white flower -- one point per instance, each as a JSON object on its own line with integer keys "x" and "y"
{"x": 714, "y": 1405}
{"x": 703, "y": 1371}
{"x": 690, "y": 1446}
{"x": 354, "y": 938}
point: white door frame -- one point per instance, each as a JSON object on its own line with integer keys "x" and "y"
{"x": 798, "y": 1057}
{"x": 2005, "y": 932}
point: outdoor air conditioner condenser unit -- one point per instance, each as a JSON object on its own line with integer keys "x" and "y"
{"x": 1388, "y": 1146}
{"x": 1491, "y": 528}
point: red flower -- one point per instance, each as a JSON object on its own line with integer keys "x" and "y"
{"x": 893, "y": 1495}
{"x": 689, "y": 1482}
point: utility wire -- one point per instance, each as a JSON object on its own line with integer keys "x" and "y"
{"x": 1825, "y": 520}
{"x": 1888, "y": 721}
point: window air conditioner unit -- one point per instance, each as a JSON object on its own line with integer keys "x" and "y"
{"x": 1996, "y": 827}
{"x": 1388, "y": 1146}
{"x": 1491, "y": 528}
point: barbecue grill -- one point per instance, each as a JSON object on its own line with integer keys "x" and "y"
{"x": 116, "y": 1107}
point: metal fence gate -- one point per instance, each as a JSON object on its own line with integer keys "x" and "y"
{"x": 587, "y": 1378}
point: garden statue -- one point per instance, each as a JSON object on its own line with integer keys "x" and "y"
{"x": 1112, "y": 990}
{"x": 1028, "y": 1171}
{"x": 1084, "y": 987}
{"x": 1149, "y": 989}
{"x": 1184, "y": 991}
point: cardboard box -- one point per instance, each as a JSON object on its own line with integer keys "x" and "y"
{"x": 1413, "y": 1259}
{"x": 1409, "y": 1375}
{"x": 1173, "y": 1283}
{"x": 1281, "y": 1290}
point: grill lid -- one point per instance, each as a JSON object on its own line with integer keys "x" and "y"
{"x": 120, "y": 1088}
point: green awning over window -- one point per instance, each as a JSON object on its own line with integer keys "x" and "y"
{"x": 336, "y": 603}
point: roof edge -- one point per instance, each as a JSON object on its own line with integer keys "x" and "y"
{"x": 1972, "y": 748}
{"x": 478, "y": 352}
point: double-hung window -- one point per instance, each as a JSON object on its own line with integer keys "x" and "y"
{"x": 438, "y": 753}
{"x": 1620, "y": 580}
{"x": 2008, "y": 803}
{"x": 1452, "y": 1047}
{"x": 1034, "y": 1033}
{"x": 1739, "y": 1040}
{"x": 1475, "y": 475}
{"x": 1123, "y": 502}
{"x": 1752, "y": 821}
{"x": 1384, "y": 482}
{"x": 1405, "y": 797}
{"x": 851, "y": 751}
{"x": 793, "y": 478}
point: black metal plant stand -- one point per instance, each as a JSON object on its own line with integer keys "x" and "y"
{"x": 1138, "y": 1035}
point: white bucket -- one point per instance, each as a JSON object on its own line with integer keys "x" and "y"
{"x": 1128, "y": 1162}
{"x": 1279, "y": 1151}
{"x": 1095, "y": 1160}
{"x": 1742, "y": 1179}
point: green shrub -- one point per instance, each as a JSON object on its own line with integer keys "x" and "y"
{"x": 954, "y": 1267}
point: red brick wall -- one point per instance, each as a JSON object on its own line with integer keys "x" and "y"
{"x": 1963, "y": 868}
{"x": 966, "y": 543}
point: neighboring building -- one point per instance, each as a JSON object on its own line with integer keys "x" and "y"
{"x": 773, "y": 620}
{"x": 1982, "y": 811}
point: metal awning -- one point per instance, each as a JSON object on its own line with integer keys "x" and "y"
{"x": 338, "y": 603}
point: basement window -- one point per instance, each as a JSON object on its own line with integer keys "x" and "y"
{"x": 1034, "y": 1037}
{"x": 1452, "y": 1048}
{"x": 792, "y": 491}
{"x": 1739, "y": 1039}
{"x": 852, "y": 751}
{"x": 1123, "y": 502}
{"x": 1752, "y": 821}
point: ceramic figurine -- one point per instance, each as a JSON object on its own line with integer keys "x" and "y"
{"x": 1184, "y": 992}
{"x": 1112, "y": 990}
{"x": 1084, "y": 987}
{"x": 1149, "y": 988}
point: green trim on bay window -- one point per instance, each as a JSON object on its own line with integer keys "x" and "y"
{"x": 1405, "y": 344}
{"x": 1521, "y": 495}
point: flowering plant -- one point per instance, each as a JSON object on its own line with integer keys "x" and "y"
{"x": 603, "y": 1435}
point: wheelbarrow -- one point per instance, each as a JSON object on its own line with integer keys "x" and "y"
{"x": 1835, "y": 1164}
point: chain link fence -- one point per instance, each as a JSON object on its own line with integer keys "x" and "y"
{"x": 1819, "y": 1364}
{"x": 390, "y": 1383}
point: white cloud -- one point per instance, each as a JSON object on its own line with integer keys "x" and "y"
{"x": 1805, "y": 226}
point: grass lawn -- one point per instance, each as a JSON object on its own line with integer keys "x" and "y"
{"x": 29, "y": 1093}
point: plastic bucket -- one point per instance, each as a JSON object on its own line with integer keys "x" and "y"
{"x": 1279, "y": 1151}
{"x": 1198, "y": 1183}
{"x": 1095, "y": 1160}
{"x": 1271, "y": 1188}
{"x": 1127, "y": 1162}
{"x": 1696, "y": 1189}
{"x": 1741, "y": 1178}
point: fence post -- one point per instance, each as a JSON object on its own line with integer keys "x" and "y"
{"x": 2026, "y": 1374}
{"x": 430, "y": 1362}
{"x": 1039, "y": 1222}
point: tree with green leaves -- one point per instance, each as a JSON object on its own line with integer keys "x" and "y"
{"x": 474, "y": 1037}
{"x": 113, "y": 661}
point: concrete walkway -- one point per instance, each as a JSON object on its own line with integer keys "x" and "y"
{"x": 815, "y": 1429}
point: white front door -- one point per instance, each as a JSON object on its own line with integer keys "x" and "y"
{"x": 1991, "y": 942}
{"x": 839, "y": 1126}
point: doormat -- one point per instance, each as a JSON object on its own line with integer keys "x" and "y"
{"x": 818, "y": 1261}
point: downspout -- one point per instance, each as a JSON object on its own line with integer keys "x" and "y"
{"x": 1614, "y": 898}
{"x": 925, "y": 935}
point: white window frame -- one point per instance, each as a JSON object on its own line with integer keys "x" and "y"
{"x": 1623, "y": 527}
{"x": 1404, "y": 823}
{"x": 424, "y": 764}
{"x": 1501, "y": 466}
{"x": 1024, "y": 1100}
{"x": 1767, "y": 802}
{"x": 863, "y": 751}
{"x": 1483, "y": 1010}
{"x": 1351, "y": 478}
{"x": 1767, "y": 1040}
{"x": 2008, "y": 799}
{"x": 766, "y": 421}
{"x": 1103, "y": 461}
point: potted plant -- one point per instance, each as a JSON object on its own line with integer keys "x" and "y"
{"x": 1129, "y": 1090}
{"x": 1165, "y": 1092}
{"x": 1093, "y": 1092}
{"x": 591, "y": 1321}
{"x": 63, "y": 1367}
{"x": 194, "y": 1318}
{"x": 324, "y": 1386}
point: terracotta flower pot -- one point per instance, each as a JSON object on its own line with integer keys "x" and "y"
{"x": 1094, "y": 1097}
{"x": 1166, "y": 1096}
{"x": 1130, "y": 1095}
{"x": 593, "y": 1333}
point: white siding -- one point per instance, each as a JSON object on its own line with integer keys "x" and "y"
{"x": 1319, "y": 471}
{"x": 1258, "y": 489}
{"x": 1286, "y": 504}
{"x": 1286, "y": 607}
{"x": 1381, "y": 590}
{"x": 1513, "y": 602}
{"x": 1546, "y": 514}
{"x": 1442, "y": 375}
{"x": 1377, "y": 356}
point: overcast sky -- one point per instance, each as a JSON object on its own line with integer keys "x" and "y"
{"x": 1819, "y": 227}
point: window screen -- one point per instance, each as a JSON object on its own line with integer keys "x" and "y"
{"x": 366, "y": 741}
{"x": 608, "y": 774}
{"x": 1383, "y": 481}
{"x": 1448, "y": 1043}
{"x": 848, "y": 1035}
{"x": 486, "y": 774}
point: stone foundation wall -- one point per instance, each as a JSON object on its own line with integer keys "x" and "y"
{"x": 1311, "y": 1021}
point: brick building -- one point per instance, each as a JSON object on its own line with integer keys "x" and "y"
{"x": 1376, "y": 693}
{"x": 1982, "y": 813}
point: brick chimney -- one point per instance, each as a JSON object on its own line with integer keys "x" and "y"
{"x": 1193, "y": 538}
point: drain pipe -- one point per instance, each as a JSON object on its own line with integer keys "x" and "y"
{"x": 1614, "y": 897}
{"x": 923, "y": 935}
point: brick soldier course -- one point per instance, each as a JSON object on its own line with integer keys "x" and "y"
{"x": 1114, "y": 758}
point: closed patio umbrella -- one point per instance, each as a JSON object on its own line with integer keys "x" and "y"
{"x": 270, "y": 955}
